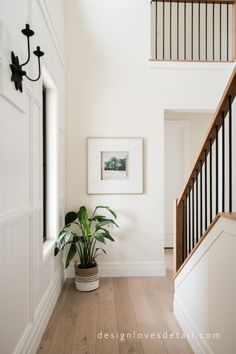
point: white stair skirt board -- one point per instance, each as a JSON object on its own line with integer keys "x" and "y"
{"x": 127, "y": 269}
{"x": 198, "y": 345}
{"x": 205, "y": 292}
{"x": 32, "y": 336}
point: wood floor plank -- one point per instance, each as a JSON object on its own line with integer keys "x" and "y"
{"x": 126, "y": 320}
{"x": 106, "y": 289}
{"x": 48, "y": 335}
{"x": 86, "y": 325}
{"x": 131, "y": 348}
{"x": 165, "y": 319}
{"x": 83, "y": 350}
{"x": 127, "y": 309}
{"x": 107, "y": 341}
{"x": 151, "y": 343}
{"x": 142, "y": 309}
{"x": 61, "y": 328}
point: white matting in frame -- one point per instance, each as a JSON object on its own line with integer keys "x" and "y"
{"x": 114, "y": 165}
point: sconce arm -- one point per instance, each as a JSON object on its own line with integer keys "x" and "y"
{"x": 38, "y": 74}
{"x": 28, "y": 45}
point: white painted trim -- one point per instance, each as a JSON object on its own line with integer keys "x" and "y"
{"x": 168, "y": 241}
{"x": 1, "y": 74}
{"x": 31, "y": 338}
{"x": 7, "y": 89}
{"x": 179, "y": 110}
{"x": 198, "y": 344}
{"x": 220, "y": 227}
{"x": 126, "y": 269}
{"x": 132, "y": 269}
{"x": 52, "y": 154}
{"x": 48, "y": 248}
{"x": 13, "y": 216}
{"x": 181, "y": 65}
{"x": 193, "y": 334}
{"x": 52, "y": 30}
{"x": 32, "y": 233}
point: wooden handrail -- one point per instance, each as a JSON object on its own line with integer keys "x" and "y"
{"x": 211, "y": 134}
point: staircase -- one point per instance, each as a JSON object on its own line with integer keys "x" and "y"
{"x": 205, "y": 237}
{"x": 205, "y": 211}
{"x": 209, "y": 189}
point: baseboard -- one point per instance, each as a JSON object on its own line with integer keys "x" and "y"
{"x": 197, "y": 343}
{"x": 33, "y": 334}
{"x": 127, "y": 269}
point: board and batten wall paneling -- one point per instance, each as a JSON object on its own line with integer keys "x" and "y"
{"x": 30, "y": 277}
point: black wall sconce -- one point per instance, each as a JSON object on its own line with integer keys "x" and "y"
{"x": 16, "y": 67}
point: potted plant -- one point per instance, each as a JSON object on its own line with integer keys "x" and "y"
{"x": 82, "y": 233}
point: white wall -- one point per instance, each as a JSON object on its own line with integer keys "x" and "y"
{"x": 113, "y": 90}
{"x": 30, "y": 277}
{"x": 184, "y": 135}
{"x": 205, "y": 291}
{"x": 198, "y": 123}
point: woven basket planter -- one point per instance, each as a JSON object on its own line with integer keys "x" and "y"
{"x": 86, "y": 279}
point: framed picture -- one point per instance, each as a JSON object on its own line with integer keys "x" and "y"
{"x": 114, "y": 165}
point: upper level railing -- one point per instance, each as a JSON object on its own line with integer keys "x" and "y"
{"x": 198, "y": 30}
{"x": 210, "y": 188}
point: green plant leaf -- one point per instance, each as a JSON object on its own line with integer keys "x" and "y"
{"x": 77, "y": 238}
{"x": 98, "y": 218}
{"x": 83, "y": 215}
{"x": 105, "y": 222}
{"x": 84, "y": 242}
{"x": 63, "y": 237}
{"x": 56, "y": 250}
{"x": 106, "y": 207}
{"x": 70, "y": 217}
{"x": 98, "y": 248}
{"x": 62, "y": 234}
{"x": 100, "y": 237}
{"x": 71, "y": 253}
{"x": 106, "y": 234}
{"x": 84, "y": 221}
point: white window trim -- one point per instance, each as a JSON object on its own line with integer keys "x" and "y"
{"x": 52, "y": 168}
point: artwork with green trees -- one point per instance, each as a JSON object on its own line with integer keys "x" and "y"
{"x": 114, "y": 165}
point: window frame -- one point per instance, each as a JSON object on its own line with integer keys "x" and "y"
{"x": 52, "y": 168}
{"x": 44, "y": 162}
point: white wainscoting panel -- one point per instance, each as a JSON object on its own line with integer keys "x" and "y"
{"x": 30, "y": 281}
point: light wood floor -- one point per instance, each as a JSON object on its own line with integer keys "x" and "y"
{"x": 133, "y": 307}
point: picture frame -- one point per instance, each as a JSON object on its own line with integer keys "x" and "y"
{"x": 114, "y": 165}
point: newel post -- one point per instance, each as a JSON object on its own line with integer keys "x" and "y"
{"x": 177, "y": 234}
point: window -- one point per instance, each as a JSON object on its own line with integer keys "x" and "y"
{"x": 49, "y": 166}
{"x": 44, "y": 144}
